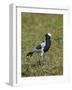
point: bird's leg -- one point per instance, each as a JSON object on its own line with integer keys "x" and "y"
{"x": 41, "y": 60}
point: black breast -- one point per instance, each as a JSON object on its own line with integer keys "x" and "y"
{"x": 48, "y": 44}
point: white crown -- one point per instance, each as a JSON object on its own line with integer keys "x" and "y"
{"x": 49, "y": 34}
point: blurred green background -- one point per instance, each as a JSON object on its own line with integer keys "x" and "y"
{"x": 33, "y": 29}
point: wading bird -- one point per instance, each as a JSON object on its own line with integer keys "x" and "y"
{"x": 43, "y": 47}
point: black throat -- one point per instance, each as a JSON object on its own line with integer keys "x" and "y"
{"x": 47, "y": 39}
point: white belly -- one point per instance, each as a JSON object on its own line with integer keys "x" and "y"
{"x": 43, "y": 45}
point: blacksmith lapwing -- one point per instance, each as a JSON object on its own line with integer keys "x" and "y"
{"x": 43, "y": 47}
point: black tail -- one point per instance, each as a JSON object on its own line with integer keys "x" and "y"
{"x": 29, "y": 54}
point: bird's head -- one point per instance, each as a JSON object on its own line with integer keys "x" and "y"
{"x": 48, "y": 35}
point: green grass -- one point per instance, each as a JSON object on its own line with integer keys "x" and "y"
{"x": 33, "y": 29}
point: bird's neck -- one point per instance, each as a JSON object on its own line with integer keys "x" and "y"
{"x": 47, "y": 41}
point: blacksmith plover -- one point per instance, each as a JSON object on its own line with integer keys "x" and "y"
{"x": 43, "y": 47}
